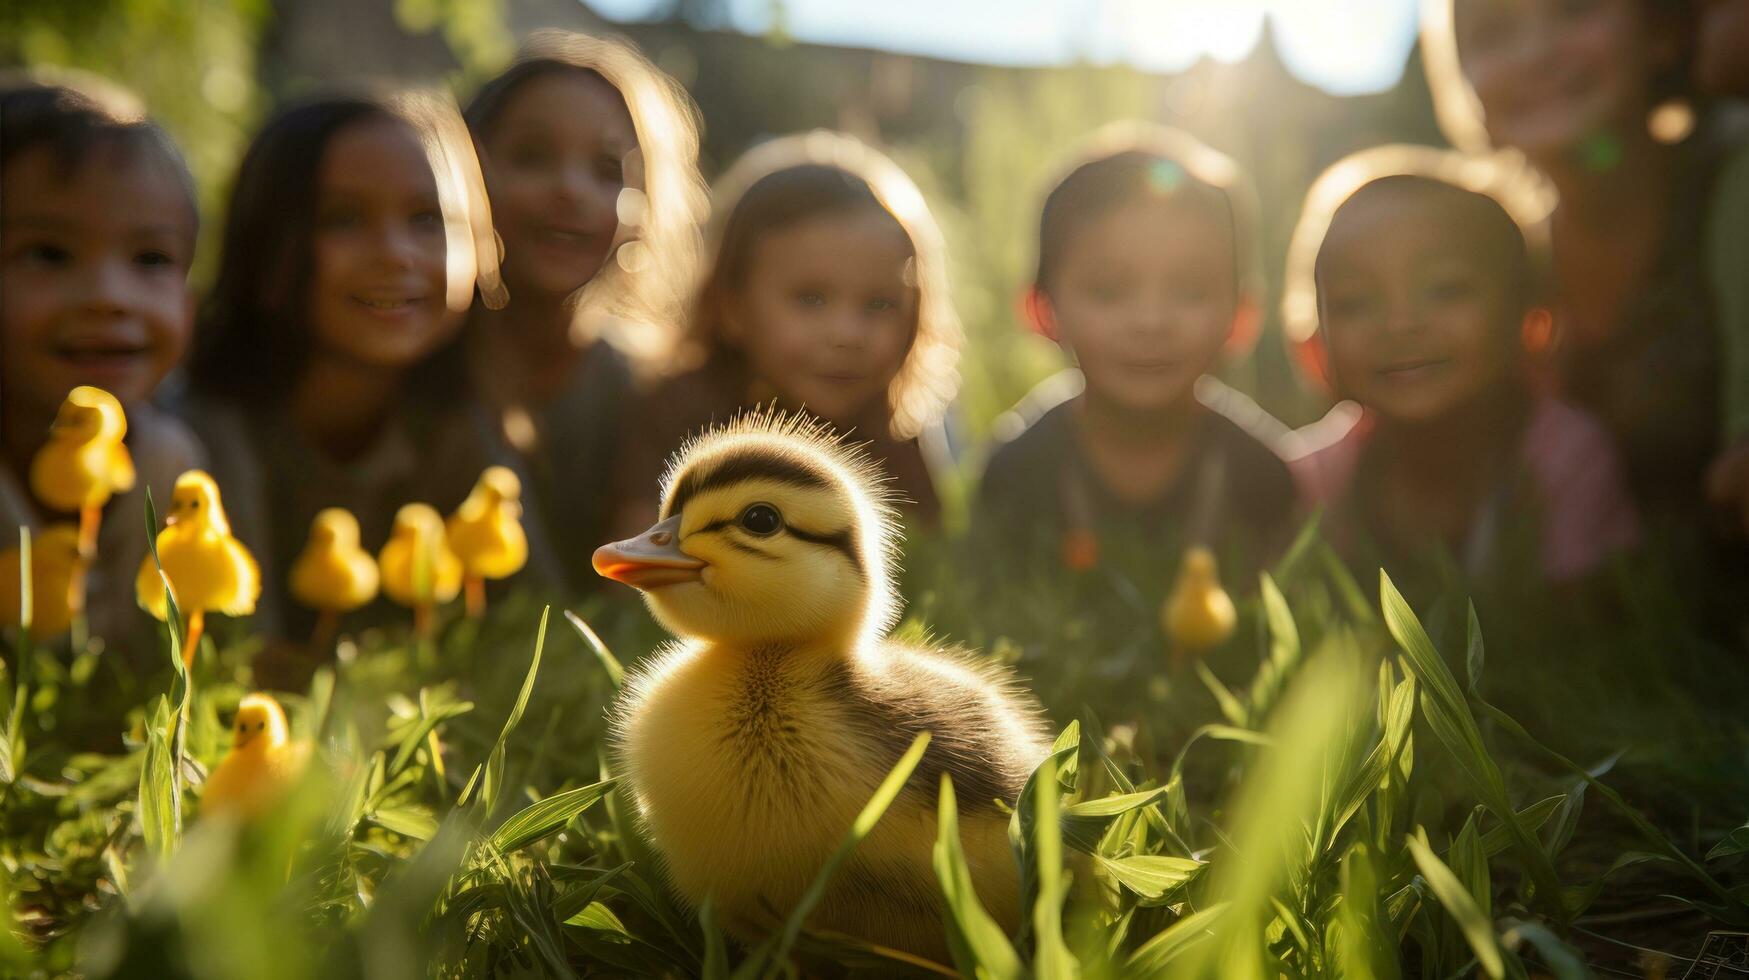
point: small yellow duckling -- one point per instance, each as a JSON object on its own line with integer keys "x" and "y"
{"x": 418, "y": 568}
{"x": 333, "y": 575}
{"x": 54, "y": 559}
{"x": 80, "y": 467}
{"x": 1198, "y": 616}
{"x": 262, "y": 764}
{"x": 784, "y": 704}
{"x": 485, "y": 534}
{"x": 209, "y": 570}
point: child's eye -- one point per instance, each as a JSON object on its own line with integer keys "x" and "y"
{"x": 811, "y": 298}
{"x": 155, "y": 258}
{"x": 1448, "y": 291}
{"x": 610, "y": 168}
{"x": 428, "y": 218}
{"x": 48, "y": 254}
{"x": 882, "y": 304}
{"x": 1349, "y": 306}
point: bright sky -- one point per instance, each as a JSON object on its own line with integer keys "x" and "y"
{"x": 1343, "y": 46}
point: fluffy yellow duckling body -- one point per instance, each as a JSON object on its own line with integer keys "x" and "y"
{"x": 209, "y": 570}
{"x": 486, "y": 533}
{"x": 54, "y": 558}
{"x": 750, "y": 744}
{"x": 418, "y": 542}
{"x": 84, "y": 462}
{"x": 262, "y": 764}
{"x": 1198, "y": 615}
{"x": 333, "y": 574}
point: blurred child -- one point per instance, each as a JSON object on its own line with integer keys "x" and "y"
{"x": 1592, "y": 94}
{"x": 327, "y": 369}
{"x": 1425, "y": 297}
{"x": 97, "y": 230}
{"x": 1146, "y": 277}
{"x": 590, "y": 157}
{"x": 826, "y": 292}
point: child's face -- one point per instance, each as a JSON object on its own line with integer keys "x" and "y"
{"x": 93, "y": 276}
{"x": 1722, "y": 48}
{"x": 378, "y": 293}
{"x": 1416, "y": 307}
{"x": 1145, "y": 296}
{"x": 1551, "y": 74}
{"x": 556, "y": 166}
{"x": 825, "y": 315}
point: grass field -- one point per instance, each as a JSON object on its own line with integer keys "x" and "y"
{"x": 1331, "y": 794}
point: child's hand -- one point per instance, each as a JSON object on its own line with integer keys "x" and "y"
{"x": 1727, "y": 482}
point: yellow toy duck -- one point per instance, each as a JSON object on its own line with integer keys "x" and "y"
{"x": 333, "y": 575}
{"x": 262, "y": 764}
{"x": 209, "y": 570}
{"x": 80, "y": 467}
{"x": 1198, "y": 615}
{"x": 750, "y": 744}
{"x": 418, "y": 568}
{"x": 54, "y": 558}
{"x": 487, "y": 536}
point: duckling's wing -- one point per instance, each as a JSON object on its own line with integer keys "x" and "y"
{"x": 121, "y": 469}
{"x": 246, "y": 580}
{"x": 987, "y": 731}
{"x": 149, "y": 588}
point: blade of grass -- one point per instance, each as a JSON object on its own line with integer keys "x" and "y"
{"x": 537, "y": 821}
{"x": 491, "y": 780}
{"x": 979, "y": 946}
{"x": 616, "y": 674}
{"x": 1452, "y": 894}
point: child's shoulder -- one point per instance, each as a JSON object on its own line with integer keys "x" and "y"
{"x": 1034, "y": 434}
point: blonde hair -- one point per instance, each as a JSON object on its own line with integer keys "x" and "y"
{"x": 639, "y": 298}
{"x": 1526, "y": 197}
{"x": 929, "y": 376}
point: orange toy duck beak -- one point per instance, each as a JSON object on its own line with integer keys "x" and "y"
{"x": 650, "y": 560}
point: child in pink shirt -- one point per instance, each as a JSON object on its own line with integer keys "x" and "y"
{"x": 1424, "y": 299}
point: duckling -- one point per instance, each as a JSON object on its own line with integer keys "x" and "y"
{"x": 750, "y": 743}
{"x": 209, "y": 570}
{"x": 418, "y": 568}
{"x": 84, "y": 462}
{"x": 486, "y": 535}
{"x": 262, "y": 764}
{"x": 333, "y": 575}
{"x": 1198, "y": 615}
{"x": 54, "y": 557}
{"x": 80, "y": 467}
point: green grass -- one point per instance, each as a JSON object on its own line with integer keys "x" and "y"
{"x": 1346, "y": 789}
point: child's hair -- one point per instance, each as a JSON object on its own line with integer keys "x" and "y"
{"x": 1512, "y": 199}
{"x": 646, "y": 285}
{"x": 1122, "y": 161}
{"x": 75, "y": 115}
{"x": 1459, "y": 112}
{"x": 253, "y": 338}
{"x": 789, "y": 179}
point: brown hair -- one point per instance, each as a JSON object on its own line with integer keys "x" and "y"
{"x": 788, "y": 179}
{"x": 253, "y": 338}
{"x": 645, "y": 287}
{"x": 1125, "y": 160}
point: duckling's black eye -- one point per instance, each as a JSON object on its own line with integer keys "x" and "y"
{"x": 761, "y": 519}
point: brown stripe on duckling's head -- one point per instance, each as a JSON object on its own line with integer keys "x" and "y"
{"x": 742, "y": 467}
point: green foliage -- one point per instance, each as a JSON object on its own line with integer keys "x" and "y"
{"x": 463, "y": 820}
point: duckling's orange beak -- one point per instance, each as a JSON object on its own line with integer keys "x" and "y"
{"x": 650, "y": 560}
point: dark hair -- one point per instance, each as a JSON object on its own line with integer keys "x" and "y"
{"x": 1129, "y": 161}
{"x": 253, "y": 340}
{"x": 75, "y": 123}
{"x": 1498, "y": 234}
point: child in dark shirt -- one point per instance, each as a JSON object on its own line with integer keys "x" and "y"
{"x": 1146, "y": 277}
